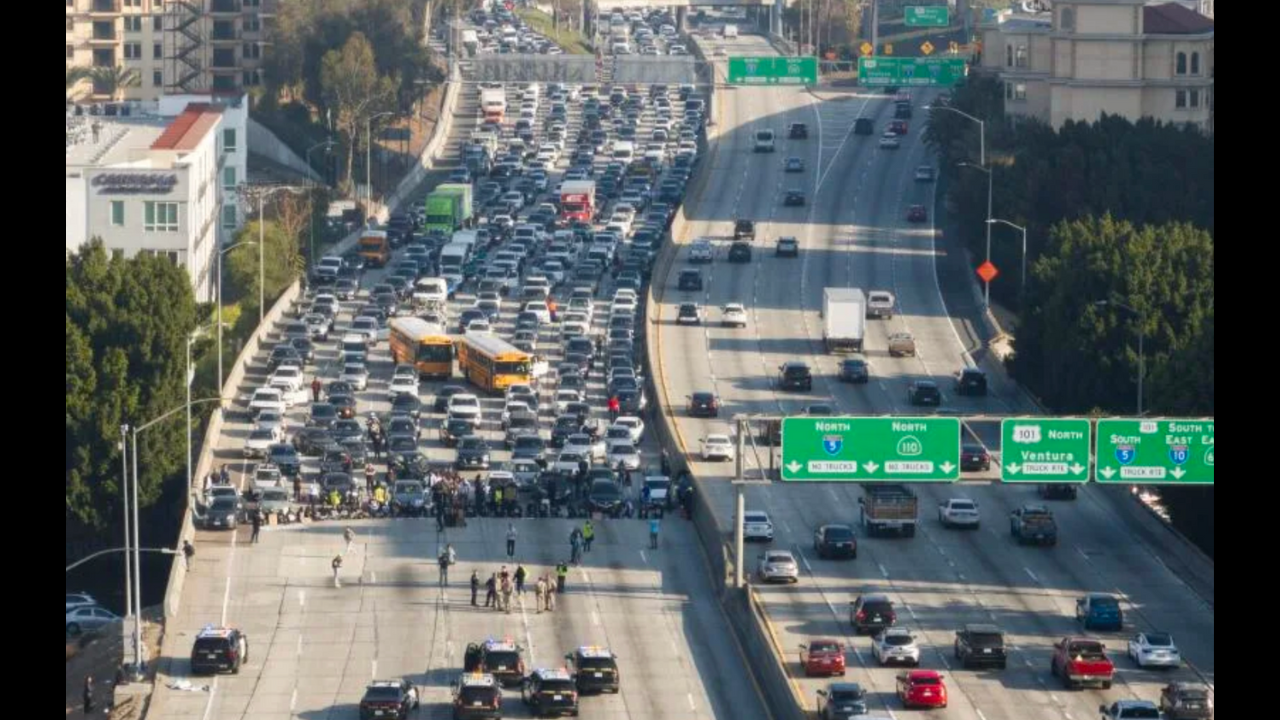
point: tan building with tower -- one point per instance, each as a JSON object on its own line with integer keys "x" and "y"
{"x": 175, "y": 46}
{"x": 1082, "y": 58}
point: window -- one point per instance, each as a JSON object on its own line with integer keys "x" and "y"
{"x": 229, "y": 178}
{"x": 1180, "y": 64}
{"x": 133, "y": 23}
{"x": 229, "y": 140}
{"x": 1020, "y": 56}
{"x": 1180, "y": 99}
{"x": 132, "y": 51}
{"x": 157, "y": 23}
{"x": 229, "y": 217}
{"x": 71, "y": 25}
{"x": 157, "y": 78}
{"x": 117, "y": 213}
{"x": 157, "y": 51}
{"x": 252, "y": 51}
{"x": 71, "y": 52}
{"x": 1008, "y": 56}
{"x": 1194, "y": 97}
{"x": 251, "y": 24}
{"x": 159, "y": 216}
{"x": 1195, "y": 63}
{"x": 133, "y": 3}
{"x": 1008, "y": 91}
{"x": 252, "y": 3}
{"x": 1068, "y": 18}
{"x": 1019, "y": 91}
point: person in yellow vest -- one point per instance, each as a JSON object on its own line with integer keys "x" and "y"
{"x": 588, "y": 535}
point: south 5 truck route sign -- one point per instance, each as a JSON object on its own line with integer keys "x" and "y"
{"x": 1155, "y": 452}
{"x": 843, "y": 449}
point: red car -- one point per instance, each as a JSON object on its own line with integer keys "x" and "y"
{"x": 822, "y": 657}
{"x": 922, "y": 688}
{"x": 898, "y": 127}
{"x": 917, "y": 214}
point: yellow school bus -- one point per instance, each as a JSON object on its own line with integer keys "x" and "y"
{"x": 493, "y": 364}
{"x": 426, "y": 346}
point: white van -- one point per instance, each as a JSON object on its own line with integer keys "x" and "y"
{"x": 730, "y": 32}
{"x": 764, "y": 141}
{"x": 624, "y": 151}
{"x": 452, "y": 259}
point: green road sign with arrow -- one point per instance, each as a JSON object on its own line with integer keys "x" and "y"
{"x": 1044, "y": 450}
{"x": 1155, "y": 452}
{"x": 842, "y": 449}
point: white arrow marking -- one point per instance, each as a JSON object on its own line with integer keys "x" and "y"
{"x": 947, "y": 467}
{"x": 870, "y": 467}
{"x": 794, "y": 466}
{"x": 1107, "y": 473}
{"x": 1077, "y": 469}
{"x": 1014, "y": 468}
{"x": 1178, "y": 472}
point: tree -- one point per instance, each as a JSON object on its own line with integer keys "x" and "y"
{"x": 127, "y": 322}
{"x": 75, "y": 75}
{"x": 282, "y": 262}
{"x": 294, "y": 214}
{"x": 113, "y": 80}
{"x": 353, "y": 90}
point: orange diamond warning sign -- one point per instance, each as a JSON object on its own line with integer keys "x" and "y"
{"x": 988, "y": 272}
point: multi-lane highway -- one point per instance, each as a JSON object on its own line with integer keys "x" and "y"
{"x": 853, "y": 233}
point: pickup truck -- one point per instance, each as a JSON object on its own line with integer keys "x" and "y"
{"x": 1082, "y": 661}
{"x": 1033, "y": 524}
{"x": 744, "y": 230}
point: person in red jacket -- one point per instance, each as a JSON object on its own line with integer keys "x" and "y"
{"x": 615, "y": 407}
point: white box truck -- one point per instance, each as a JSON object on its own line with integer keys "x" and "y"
{"x": 844, "y": 319}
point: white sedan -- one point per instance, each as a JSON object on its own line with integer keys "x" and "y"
{"x": 896, "y": 645}
{"x": 260, "y": 439}
{"x": 959, "y": 512}
{"x": 357, "y": 374}
{"x": 268, "y": 399}
{"x": 624, "y": 454}
{"x": 293, "y": 396}
{"x": 717, "y": 447}
{"x": 585, "y": 444}
{"x": 1154, "y": 649}
{"x": 634, "y": 426}
{"x": 778, "y": 565}
{"x": 403, "y": 385}
{"x": 465, "y": 406}
{"x": 733, "y": 315}
{"x": 514, "y": 407}
{"x": 756, "y": 525}
{"x": 564, "y": 397}
{"x": 290, "y": 375}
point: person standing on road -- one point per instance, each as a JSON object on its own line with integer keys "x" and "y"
{"x": 336, "y": 564}
{"x": 575, "y": 546}
{"x": 350, "y": 536}
{"x": 491, "y": 591}
{"x": 540, "y": 590}
{"x": 443, "y": 561}
{"x": 315, "y": 389}
{"x": 551, "y": 594}
{"x": 654, "y": 526}
{"x": 475, "y": 586}
{"x": 369, "y": 475}
{"x": 88, "y": 694}
{"x": 255, "y": 518}
{"x": 562, "y": 576}
{"x": 511, "y": 540}
{"x": 521, "y": 576}
{"x": 588, "y": 535}
{"x": 615, "y": 408}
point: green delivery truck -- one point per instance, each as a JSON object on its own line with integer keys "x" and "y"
{"x": 448, "y": 208}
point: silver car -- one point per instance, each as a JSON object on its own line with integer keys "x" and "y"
{"x": 778, "y": 566}
{"x": 896, "y": 645}
{"x": 89, "y": 619}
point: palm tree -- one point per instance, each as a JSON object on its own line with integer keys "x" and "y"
{"x": 112, "y": 80}
{"x": 75, "y": 74}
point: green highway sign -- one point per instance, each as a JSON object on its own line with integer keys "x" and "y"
{"x": 1151, "y": 452}
{"x": 926, "y": 16}
{"x": 880, "y": 71}
{"x": 773, "y": 70}
{"x": 1044, "y": 450}
{"x": 850, "y": 449}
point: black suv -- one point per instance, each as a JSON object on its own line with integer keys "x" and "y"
{"x": 971, "y": 381}
{"x": 744, "y": 229}
{"x": 787, "y": 247}
{"x": 219, "y": 649}
{"x": 1059, "y": 491}
{"x": 550, "y": 693}
{"x": 981, "y": 645}
{"x": 793, "y": 198}
{"x": 924, "y": 392}
{"x": 393, "y": 699}
{"x": 605, "y": 497}
{"x": 690, "y": 280}
{"x": 795, "y": 375}
{"x": 834, "y": 541}
{"x": 864, "y": 126}
{"x": 595, "y": 670}
{"x": 872, "y": 613}
{"x": 740, "y": 252}
{"x": 798, "y": 131}
{"x": 842, "y": 701}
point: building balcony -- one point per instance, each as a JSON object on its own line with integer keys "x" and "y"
{"x": 225, "y": 35}
{"x": 100, "y": 8}
{"x": 100, "y": 38}
{"x": 225, "y": 7}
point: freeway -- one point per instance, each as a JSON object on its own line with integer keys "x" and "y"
{"x": 314, "y": 646}
{"x": 853, "y": 232}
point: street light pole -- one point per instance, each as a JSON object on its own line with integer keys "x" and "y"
{"x": 986, "y": 298}
{"x": 1142, "y": 355}
{"x": 311, "y": 237}
{"x": 218, "y": 320}
{"x": 1023, "y": 285}
{"x": 137, "y": 563}
{"x": 124, "y": 495}
{"x": 368, "y": 155}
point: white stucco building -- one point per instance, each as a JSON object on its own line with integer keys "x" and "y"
{"x": 163, "y": 183}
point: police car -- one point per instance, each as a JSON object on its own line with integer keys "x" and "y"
{"x": 217, "y": 649}
{"x": 595, "y": 669}
{"x": 550, "y": 693}
{"x": 502, "y": 659}
{"x": 476, "y": 695}
{"x": 393, "y": 699}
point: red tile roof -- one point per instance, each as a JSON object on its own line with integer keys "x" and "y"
{"x": 188, "y": 129}
{"x": 1174, "y": 19}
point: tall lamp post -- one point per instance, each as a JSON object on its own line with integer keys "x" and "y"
{"x": 263, "y": 193}
{"x": 1142, "y": 357}
{"x": 218, "y": 319}
{"x": 982, "y": 165}
{"x": 1022, "y": 289}
{"x": 368, "y": 154}
{"x": 986, "y": 284}
{"x": 311, "y": 237}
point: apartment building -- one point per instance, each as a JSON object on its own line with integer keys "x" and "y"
{"x": 1083, "y": 58}
{"x": 175, "y": 46}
